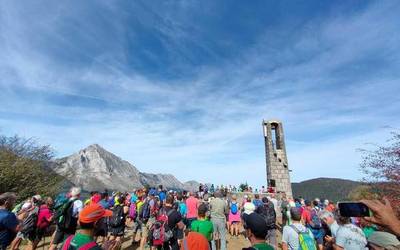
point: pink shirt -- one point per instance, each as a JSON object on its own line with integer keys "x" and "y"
{"x": 192, "y": 205}
{"x": 234, "y": 217}
{"x": 44, "y": 217}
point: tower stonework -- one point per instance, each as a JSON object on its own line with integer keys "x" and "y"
{"x": 276, "y": 158}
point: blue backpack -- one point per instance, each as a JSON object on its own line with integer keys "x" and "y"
{"x": 234, "y": 208}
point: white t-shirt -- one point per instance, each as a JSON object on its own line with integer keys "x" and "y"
{"x": 77, "y": 207}
{"x": 351, "y": 237}
{"x": 290, "y": 236}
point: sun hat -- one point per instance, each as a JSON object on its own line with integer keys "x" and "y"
{"x": 93, "y": 212}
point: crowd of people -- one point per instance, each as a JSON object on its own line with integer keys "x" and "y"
{"x": 161, "y": 219}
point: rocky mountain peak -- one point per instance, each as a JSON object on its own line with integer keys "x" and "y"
{"x": 95, "y": 168}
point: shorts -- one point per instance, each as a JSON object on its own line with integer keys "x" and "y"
{"x": 31, "y": 236}
{"x": 318, "y": 235}
{"x": 145, "y": 227}
{"x": 179, "y": 234}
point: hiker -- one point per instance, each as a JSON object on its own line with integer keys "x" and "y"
{"x": 45, "y": 217}
{"x": 234, "y": 217}
{"x": 192, "y": 205}
{"x": 284, "y": 205}
{"x": 256, "y": 232}
{"x": 313, "y": 222}
{"x": 84, "y": 238}
{"x": 147, "y": 216}
{"x": 29, "y": 224}
{"x": 172, "y": 223}
{"x": 212, "y": 189}
{"x": 329, "y": 219}
{"x": 67, "y": 218}
{"x": 348, "y": 235}
{"x": 218, "y": 213}
{"x": 267, "y": 211}
{"x": 117, "y": 221}
{"x": 202, "y": 224}
{"x": 9, "y": 223}
{"x": 295, "y": 233}
{"x": 161, "y": 194}
{"x": 256, "y": 201}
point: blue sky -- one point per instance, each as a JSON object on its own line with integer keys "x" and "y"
{"x": 182, "y": 87}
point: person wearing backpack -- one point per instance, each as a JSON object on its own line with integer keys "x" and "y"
{"x": 29, "y": 224}
{"x": 9, "y": 224}
{"x": 67, "y": 218}
{"x": 313, "y": 222}
{"x": 45, "y": 217}
{"x": 256, "y": 231}
{"x": 147, "y": 216}
{"x": 173, "y": 222}
{"x": 234, "y": 216}
{"x": 268, "y": 212}
{"x": 84, "y": 238}
{"x": 117, "y": 221}
{"x": 297, "y": 236}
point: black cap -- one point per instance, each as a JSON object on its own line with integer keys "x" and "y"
{"x": 257, "y": 225}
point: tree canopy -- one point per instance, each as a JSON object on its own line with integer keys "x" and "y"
{"x": 24, "y": 168}
{"x": 381, "y": 167}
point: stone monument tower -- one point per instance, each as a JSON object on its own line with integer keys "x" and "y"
{"x": 276, "y": 159}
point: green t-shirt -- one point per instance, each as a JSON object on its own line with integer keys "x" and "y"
{"x": 81, "y": 239}
{"x": 203, "y": 226}
{"x": 263, "y": 246}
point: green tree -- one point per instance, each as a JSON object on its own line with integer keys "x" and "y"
{"x": 24, "y": 168}
{"x": 243, "y": 187}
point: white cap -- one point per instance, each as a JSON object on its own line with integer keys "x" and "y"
{"x": 75, "y": 191}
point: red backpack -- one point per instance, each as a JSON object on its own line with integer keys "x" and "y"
{"x": 87, "y": 246}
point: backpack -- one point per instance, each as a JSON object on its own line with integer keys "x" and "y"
{"x": 257, "y": 203}
{"x": 145, "y": 211}
{"x": 267, "y": 211}
{"x": 234, "y": 208}
{"x": 87, "y": 246}
{"x": 117, "y": 219}
{"x": 306, "y": 242}
{"x": 17, "y": 208}
{"x": 315, "y": 222}
{"x": 160, "y": 230}
{"x": 132, "y": 211}
{"x": 64, "y": 216}
{"x": 30, "y": 222}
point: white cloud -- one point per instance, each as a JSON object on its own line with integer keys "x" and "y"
{"x": 149, "y": 122}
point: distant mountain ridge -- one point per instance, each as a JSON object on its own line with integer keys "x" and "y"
{"x": 95, "y": 168}
{"x": 334, "y": 189}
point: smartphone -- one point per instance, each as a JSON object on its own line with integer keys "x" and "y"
{"x": 354, "y": 209}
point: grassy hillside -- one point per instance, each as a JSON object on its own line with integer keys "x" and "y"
{"x": 324, "y": 188}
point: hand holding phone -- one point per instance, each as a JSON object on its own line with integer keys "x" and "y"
{"x": 354, "y": 209}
